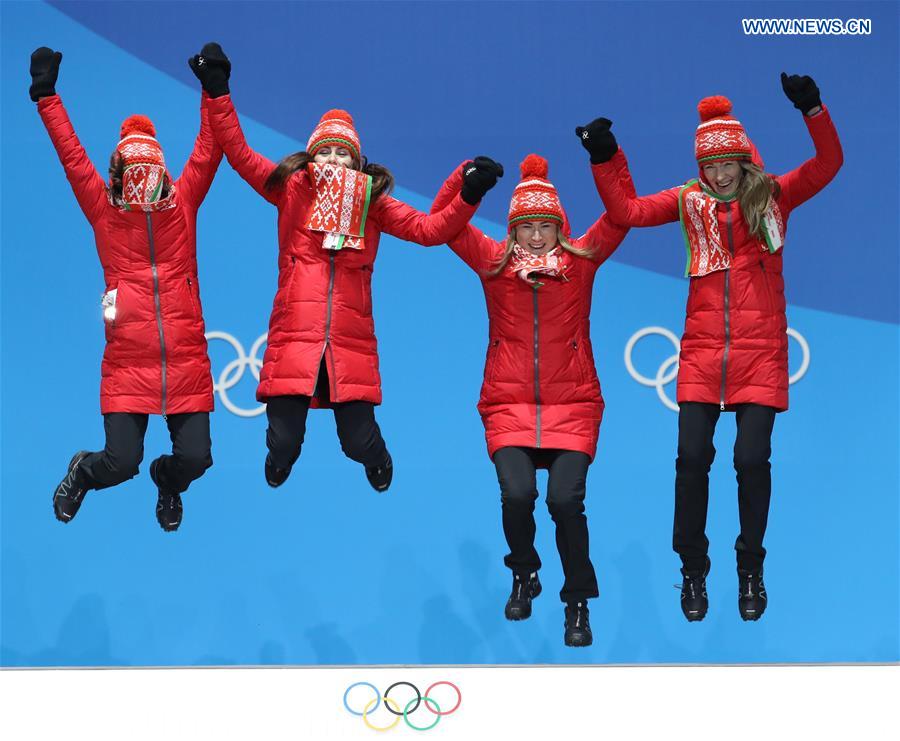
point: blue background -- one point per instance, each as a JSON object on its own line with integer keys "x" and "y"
{"x": 325, "y": 571}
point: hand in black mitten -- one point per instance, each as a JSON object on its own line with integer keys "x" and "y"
{"x": 801, "y": 91}
{"x": 212, "y": 68}
{"x": 597, "y": 139}
{"x": 479, "y": 176}
{"x": 44, "y": 71}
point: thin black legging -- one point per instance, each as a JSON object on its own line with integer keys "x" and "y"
{"x": 752, "y": 450}
{"x": 516, "y": 473}
{"x": 357, "y": 429}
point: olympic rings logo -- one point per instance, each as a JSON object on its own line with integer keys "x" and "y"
{"x": 668, "y": 369}
{"x": 233, "y": 372}
{"x": 410, "y": 707}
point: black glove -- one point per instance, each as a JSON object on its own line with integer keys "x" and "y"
{"x": 801, "y": 91}
{"x": 597, "y": 139}
{"x": 44, "y": 70}
{"x": 479, "y": 176}
{"x": 213, "y": 69}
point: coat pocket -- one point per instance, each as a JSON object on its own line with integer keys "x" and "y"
{"x": 491, "y": 363}
{"x": 580, "y": 361}
{"x": 194, "y": 297}
{"x": 767, "y": 288}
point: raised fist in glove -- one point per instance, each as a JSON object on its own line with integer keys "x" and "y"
{"x": 597, "y": 139}
{"x": 212, "y": 68}
{"x": 802, "y": 92}
{"x": 44, "y": 70}
{"x": 479, "y": 176}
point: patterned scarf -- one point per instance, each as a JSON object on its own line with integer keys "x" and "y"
{"x": 524, "y": 264}
{"x": 700, "y": 227}
{"x": 341, "y": 205}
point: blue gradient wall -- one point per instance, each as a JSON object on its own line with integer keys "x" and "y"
{"x": 324, "y": 570}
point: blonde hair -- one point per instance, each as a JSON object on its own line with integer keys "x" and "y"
{"x": 755, "y": 193}
{"x": 561, "y": 240}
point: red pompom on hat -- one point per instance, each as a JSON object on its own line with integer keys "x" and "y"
{"x": 335, "y": 128}
{"x": 535, "y": 198}
{"x": 720, "y": 136}
{"x": 137, "y": 124}
{"x": 714, "y": 106}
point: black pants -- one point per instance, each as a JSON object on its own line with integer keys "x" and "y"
{"x": 516, "y": 472}
{"x": 752, "y": 449}
{"x": 357, "y": 429}
{"x": 124, "y": 451}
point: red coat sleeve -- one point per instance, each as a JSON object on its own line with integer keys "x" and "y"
{"x": 627, "y": 209}
{"x": 86, "y": 182}
{"x": 604, "y": 235}
{"x": 198, "y": 173}
{"x": 250, "y": 165}
{"x": 400, "y": 220}
{"x": 803, "y": 183}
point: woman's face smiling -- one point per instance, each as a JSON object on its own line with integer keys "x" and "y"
{"x": 538, "y": 237}
{"x": 723, "y": 176}
{"x": 329, "y": 155}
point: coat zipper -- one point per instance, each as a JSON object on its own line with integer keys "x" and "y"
{"x": 158, "y": 309}
{"x": 537, "y": 385}
{"x": 327, "y": 344}
{"x": 727, "y": 319}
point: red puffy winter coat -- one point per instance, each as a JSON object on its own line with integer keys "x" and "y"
{"x": 734, "y": 349}
{"x": 155, "y": 360}
{"x": 540, "y": 385}
{"x": 323, "y": 306}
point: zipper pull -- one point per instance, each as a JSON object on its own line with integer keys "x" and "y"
{"x": 722, "y": 406}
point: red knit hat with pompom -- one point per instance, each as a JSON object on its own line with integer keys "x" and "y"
{"x": 142, "y": 157}
{"x": 535, "y": 198}
{"x": 720, "y": 136}
{"x": 335, "y": 129}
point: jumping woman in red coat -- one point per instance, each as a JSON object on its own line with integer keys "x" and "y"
{"x": 734, "y": 348}
{"x": 540, "y": 401}
{"x": 155, "y": 360}
{"x": 332, "y": 207}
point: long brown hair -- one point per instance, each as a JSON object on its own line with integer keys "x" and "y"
{"x": 117, "y": 171}
{"x": 382, "y": 179}
{"x": 511, "y": 242}
{"x": 755, "y": 192}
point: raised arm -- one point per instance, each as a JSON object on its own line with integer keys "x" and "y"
{"x": 608, "y": 163}
{"x": 804, "y": 182}
{"x": 455, "y": 210}
{"x": 213, "y": 69}
{"x": 87, "y": 184}
{"x": 200, "y": 169}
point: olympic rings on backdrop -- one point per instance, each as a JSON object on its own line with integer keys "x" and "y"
{"x": 394, "y": 708}
{"x": 233, "y": 372}
{"x": 668, "y": 369}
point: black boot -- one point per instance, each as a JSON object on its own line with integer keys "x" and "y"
{"x": 524, "y": 589}
{"x": 380, "y": 476}
{"x": 169, "y": 509}
{"x": 578, "y": 625}
{"x": 275, "y": 477}
{"x": 694, "y": 602}
{"x": 71, "y": 490}
{"x": 752, "y": 599}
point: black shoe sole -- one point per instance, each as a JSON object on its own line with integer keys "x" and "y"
{"x": 748, "y": 618}
{"x": 168, "y": 527}
{"x": 516, "y": 615}
{"x": 694, "y": 617}
{"x": 579, "y": 640}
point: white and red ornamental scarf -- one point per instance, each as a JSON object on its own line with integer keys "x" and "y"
{"x": 706, "y": 252}
{"x": 144, "y": 174}
{"x": 340, "y": 206}
{"x": 524, "y": 264}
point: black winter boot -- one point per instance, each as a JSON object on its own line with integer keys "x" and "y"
{"x": 275, "y": 477}
{"x": 694, "y": 602}
{"x": 380, "y": 476}
{"x": 71, "y": 490}
{"x": 169, "y": 509}
{"x": 578, "y": 625}
{"x": 752, "y": 599}
{"x": 524, "y": 589}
